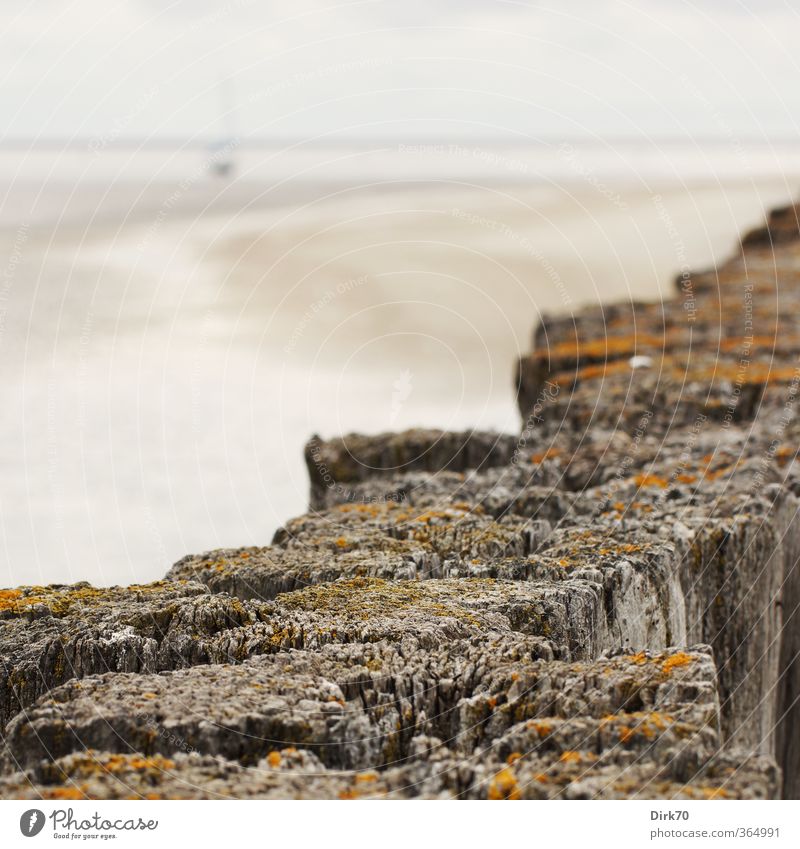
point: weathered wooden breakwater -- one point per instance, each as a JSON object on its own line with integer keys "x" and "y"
{"x": 603, "y": 606}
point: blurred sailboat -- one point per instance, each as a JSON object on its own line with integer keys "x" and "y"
{"x": 221, "y": 161}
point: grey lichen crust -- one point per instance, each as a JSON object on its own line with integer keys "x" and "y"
{"x": 605, "y": 606}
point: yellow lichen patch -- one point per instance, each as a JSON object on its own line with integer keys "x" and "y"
{"x": 714, "y": 793}
{"x": 513, "y": 758}
{"x": 149, "y": 696}
{"x": 570, "y": 757}
{"x": 466, "y": 507}
{"x": 274, "y": 759}
{"x": 341, "y": 542}
{"x": 676, "y": 660}
{"x": 122, "y": 763}
{"x": 64, "y": 793}
{"x": 541, "y": 456}
{"x": 725, "y": 469}
{"x": 735, "y": 344}
{"x": 605, "y": 347}
{"x": 541, "y": 728}
{"x": 647, "y": 725}
{"x": 595, "y": 371}
{"x": 431, "y": 516}
{"x": 639, "y": 658}
{"x": 372, "y": 509}
{"x": 59, "y": 600}
{"x": 625, "y": 734}
{"x": 8, "y": 597}
{"x": 156, "y": 762}
{"x": 504, "y": 786}
{"x": 645, "y": 479}
{"x": 361, "y": 599}
{"x": 366, "y": 777}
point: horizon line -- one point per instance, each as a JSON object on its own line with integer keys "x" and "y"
{"x": 191, "y": 143}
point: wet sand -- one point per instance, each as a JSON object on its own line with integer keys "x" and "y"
{"x": 164, "y": 363}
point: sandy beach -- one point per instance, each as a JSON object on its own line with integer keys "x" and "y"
{"x": 170, "y": 343}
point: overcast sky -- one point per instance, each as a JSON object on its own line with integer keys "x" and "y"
{"x": 401, "y": 68}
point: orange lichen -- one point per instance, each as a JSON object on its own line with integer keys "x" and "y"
{"x": 602, "y": 370}
{"x": 676, "y": 660}
{"x": 570, "y": 757}
{"x": 156, "y": 762}
{"x": 64, "y": 794}
{"x": 513, "y": 758}
{"x": 605, "y": 346}
{"x": 7, "y": 597}
{"x": 625, "y": 734}
{"x": 274, "y": 759}
{"x": 59, "y": 600}
{"x": 651, "y": 480}
{"x": 545, "y": 455}
{"x": 714, "y": 793}
{"x": 504, "y": 786}
{"x": 734, "y": 344}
